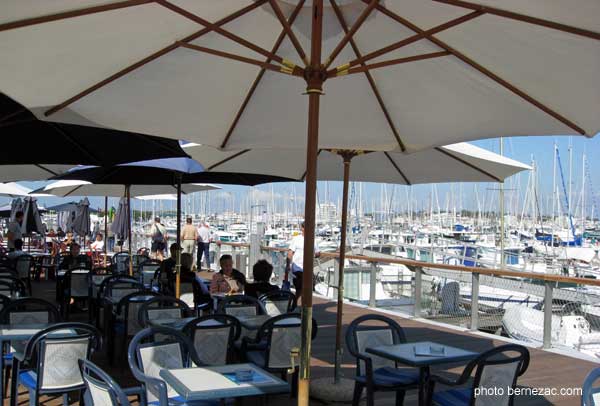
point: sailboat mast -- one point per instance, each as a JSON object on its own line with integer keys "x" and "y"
{"x": 502, "y": 259}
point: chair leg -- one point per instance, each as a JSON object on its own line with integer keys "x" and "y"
{"x": 65, "y": 397}
{"x": 370, "y": 396}
{"x": 358, "y": 388}
{"x": 7, "y": 375}
{"x": 400, "y": 397}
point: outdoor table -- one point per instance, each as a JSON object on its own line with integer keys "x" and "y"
{"x": 15, "y": 334}
{"x": 221, "y": 382}
{"x": 406, "y": 354}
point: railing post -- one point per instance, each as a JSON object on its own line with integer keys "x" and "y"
{"x": 372, "y": 285}
{"x": 418, "y": 291}
{"x": 548, "y": 315}
{"x": 474, "y": 301}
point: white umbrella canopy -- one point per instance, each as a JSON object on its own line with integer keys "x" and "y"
{"x": 460, "y": 162}
{"x": 64, "y": 188}
{"x": 13, "y": 190}
{"x": 485, "y": 72}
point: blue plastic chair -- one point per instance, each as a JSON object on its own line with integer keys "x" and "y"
{"x": 591, "y": 394}
{"x": 101, "y": 388}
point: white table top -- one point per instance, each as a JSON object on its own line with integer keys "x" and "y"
{"x": 220, "y": 382}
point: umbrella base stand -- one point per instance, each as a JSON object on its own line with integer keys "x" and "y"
{"x": 325, "y": 390}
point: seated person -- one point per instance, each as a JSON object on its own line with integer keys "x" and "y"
{"x": 71, "y": 261}
{"x": 227, "y": 280}
{"x": 17, "y": 252}
{"x": 261, "y": 272}
{"x": 167, "y": 270}
{"x": 98, "y": 244}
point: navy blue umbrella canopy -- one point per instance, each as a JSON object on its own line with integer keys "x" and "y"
{"x": 82, "y": 223}
{"x": 164, "y": 172}
{"x": 39, "y": 143}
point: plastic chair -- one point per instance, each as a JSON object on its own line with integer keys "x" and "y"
{"x": 102, "y": 389}
{"x": 161, "y": 308}
{"x": 241, "y": 305}
{"x": 590, "y": 395}
{"x": 147, "y": 270}
{"x": 21, "y": 312}
{"x": 124, "y": 322}
{"x": 374, "y": 373}
{"x": 120, "y": 263}
{"x": 275, "y": 342}
{"x": 76, "y": 284}
{"x": 12, "y": 287}
{"x": 24, "y": 266}
{"x": 52, "y": 357}
{"x": 214, "y": 337}
{"x": 157, "y": 348}
{"x": 494, "y": 368}
{"x": 278, "y": 302}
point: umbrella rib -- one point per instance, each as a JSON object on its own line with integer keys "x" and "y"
{"x": 475, "y": 65}
{"x": 73, "y": 142}
{"x": 229, "y": 158}
{"x": 46, "y": 169}
{"x": 395, "y": 165}
{"x": 350, "y": 32}
{"x": 288, "y": 30}
{"x": 392, "y": 62}
{"x": 71, "y": 14}
{"x": 523, "y": 18}
{"x": 216, "y": 28}
{"x": 260, "y": 75}
{"x": 407, "y": 41}
{"x": 152, "y": 57}
{"x": 3, "y": 119}
{"x": 470, "y": 165}
{"x": 73, "y": 191}
{"x": 303, "y": 177}
{"x": 295, "y": 71}
{"x": 369, "y": 77}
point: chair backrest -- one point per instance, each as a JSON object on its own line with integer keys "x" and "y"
{"x": 8, "y": 272}
{"x": 4, "y": 301}
{"x": 12, "y": 288}
{"x": 120, "y": 262}
{"x": 497, "y": 368}
{"x": 84, "y": 262}
{"x": 138, "y": 259}
{"x": 213, "y": 337}
{"x": 147, "y": 271}
{"x": 29, "y": 311}
{"x": 372, "y": 330}
{"x": 154, "y": 349}
{"x": 78, "y": 282}
{"x": 590, "y": 395}
{"x": 23, "y": 266}
{"x": 101, "y": 388}
{"x": 282, "y": 334}
{"x": 56, "y": 352}
{"x": 241, "y": 305}
{"x": 162, "y": 308}
{"x": 130, "y": 306}
{"x": 119, "y": 286}
{"x": 278, "y": 302}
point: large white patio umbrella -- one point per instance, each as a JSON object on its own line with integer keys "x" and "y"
{"x": 460, "y": 162}
{"x": 67, "y": 188}
{"x": 398, "y": 74}
{"x": 13, "y": 190}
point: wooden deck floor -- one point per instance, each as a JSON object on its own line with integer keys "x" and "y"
{"x": 546, "y": 370}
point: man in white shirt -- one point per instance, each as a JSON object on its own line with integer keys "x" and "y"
{"x": 98, "y": 244}
{"x": 14, "y": 231}
{"x": 296, "y": 257}
{"x": 204, "y": 238}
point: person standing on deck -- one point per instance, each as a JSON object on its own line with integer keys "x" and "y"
{"x": 15, "y": 232}
{"x": 296, "y": 257}
{"x": 158, "y": 233}
{"x": 189, "y": 235}
{"x": 204, "y": 238}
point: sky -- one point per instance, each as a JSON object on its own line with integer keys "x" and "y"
{"x": 461, "y": 196}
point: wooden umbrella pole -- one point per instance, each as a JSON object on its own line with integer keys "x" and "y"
{"x": 347, "y": 156}
{"x": 105, "y": 229}
{"x": 128, "y": 189}
{"x": 178, "y": 255}
{"x": 315, "y": 76}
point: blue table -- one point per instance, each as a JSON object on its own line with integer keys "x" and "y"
{"x": 220, "y": 382}
{"x": 405, "y": 354}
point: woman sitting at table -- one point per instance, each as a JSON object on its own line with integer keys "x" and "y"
{"x": 261, "y": 271}
{"x": 227, "y": 280}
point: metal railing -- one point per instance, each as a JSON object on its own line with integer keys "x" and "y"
{"x": 564, "y": 311}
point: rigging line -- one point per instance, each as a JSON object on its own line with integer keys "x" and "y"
{"x": 562, "y": 178}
